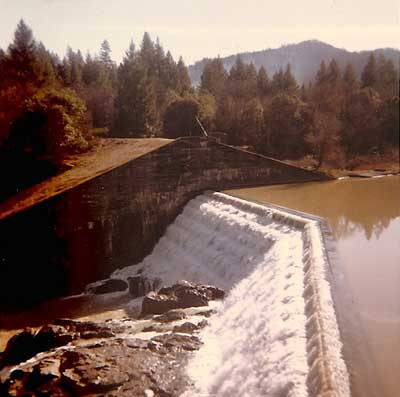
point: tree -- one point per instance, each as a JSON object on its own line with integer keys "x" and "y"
{"x": 52, "y": 122}
{"x": 180, "y": 118}
{"x": 251, "y": 123}
{"x": 135, "y": 100}
{"x": 349, "y": 77}
{"x": 360, "y": 132}
{"x": 289, "y": 82}
{"x": 387, "y": 78}
{"x": 183, "y": 79}
{"x": 263, "y": 83}
{"x": 214, "y": 78}
{"x": 25, "y": 70}
{"x": 207, "y": 111}
{"x": 389, "y": 124}
{"x": 277, "y": 84}
{"x": 333, "y": 74}
{"x": 73, "y": 67}
{"x": 242, "y": 80}
{"x": 99, "y": 78}
{"x": 321, "y": 74}
{"x": 287, "y": 122}
{"x": 147, "y": 54}
{"x": 369, "y": 73}
{"x": 105, "y": 55}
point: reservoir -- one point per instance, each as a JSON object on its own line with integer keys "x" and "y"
{"x": 364, "y": 216}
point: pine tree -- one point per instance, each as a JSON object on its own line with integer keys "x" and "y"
{"x": 289, "y": 82}
{"x": 321, "y": 74}
{"x": 22, "y": 60}
{"x": 263, "y": 83}
{"x": 105, "y": 57}
{"x": 277, "y": 83}
{"x": 183, "y": 83}
{"x": 333, "y": 74}
{"x": 147, "y": 54}
{"x": 45, "y": 66}
{"x": 238, "y": 71}
{"x": 369, "y": 74}
{"x": 349, "y": 76}
{"x": 214, "y": 78}
{"x": 242, "y": 80}
{"x": 73, "y": 65}
{"x": 387, "y": 78}
{"x": 135, "y": 100}
{"x": 169, "y": 72}
{"x": 23, "y": 75}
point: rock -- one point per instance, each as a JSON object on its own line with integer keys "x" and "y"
{"x": 28, "y": 343}
{"x": 154, "y": 303}
{"x": 155, "y": 328}
{"x": 176, "y": 342}
{"x": 210, "y": 291}
{"x": 202, "y": 323}
{"x": 89, "y": 373}
{"x": 140, "y": 285}
{"x": 52, "y": 335}
{"x": 172, "y": 315}
{"x": 137, "y": 343}
{"x": 186, "y": 328}
{"x": 181, "y": 295}
{"x": 118, "y": 367}
{"x": 206, "y": 313}
{"x": 19, "y": 348}
{"x": 106, "y": 286}
{"x": 86, "y": 329}
{"x": 215, "y": 293}
{"x": 102, "y": 333}
{"x": 115, "y": 363}
{"x": 188, "y": 297}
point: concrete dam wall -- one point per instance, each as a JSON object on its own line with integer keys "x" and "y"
{"x": 59, "y": 244}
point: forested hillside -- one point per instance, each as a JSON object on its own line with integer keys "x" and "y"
{"x": 52, "y": 106}
{"x": 335, "y": 118}
{"x": 305, "y": 58}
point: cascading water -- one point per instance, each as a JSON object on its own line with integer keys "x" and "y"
{"x": 268, "y": 337}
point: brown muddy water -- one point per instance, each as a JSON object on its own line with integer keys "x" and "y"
{"x": 364, "y": 215}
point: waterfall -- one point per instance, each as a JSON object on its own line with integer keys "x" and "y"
{"x": 269, "y": 336}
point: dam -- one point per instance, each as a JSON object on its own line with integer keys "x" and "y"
{"x": 84, "y": 224}
{"x": 276, "y": 333}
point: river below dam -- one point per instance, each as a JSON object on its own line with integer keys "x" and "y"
{"x": 364, "y": 215}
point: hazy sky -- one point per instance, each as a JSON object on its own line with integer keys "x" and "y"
{"x": 200, "y": 28}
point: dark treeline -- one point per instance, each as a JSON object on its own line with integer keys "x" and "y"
{"x": 333, "y": 119}
{"x": 51, "y": 106}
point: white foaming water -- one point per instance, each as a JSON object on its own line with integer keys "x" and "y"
{"x": 255, "y": 345}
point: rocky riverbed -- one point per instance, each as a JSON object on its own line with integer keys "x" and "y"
{"x": 141, "y": 355}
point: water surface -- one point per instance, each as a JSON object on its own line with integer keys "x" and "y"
{"x": 364, "y": 215}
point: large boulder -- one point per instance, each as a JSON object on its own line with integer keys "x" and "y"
{"x": 155, "y": 303}
{"x": 30, "y": 342}
{"x": 181, "y": 295}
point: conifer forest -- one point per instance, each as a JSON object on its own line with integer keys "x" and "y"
{"x": 52, "y": 106}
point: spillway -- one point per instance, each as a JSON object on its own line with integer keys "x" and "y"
{"x": 276, "y": 332}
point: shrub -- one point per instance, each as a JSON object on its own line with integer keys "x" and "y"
{"x": 53, "y": 122}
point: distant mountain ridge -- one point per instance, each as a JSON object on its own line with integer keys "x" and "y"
{"x": 304, "y": 57}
